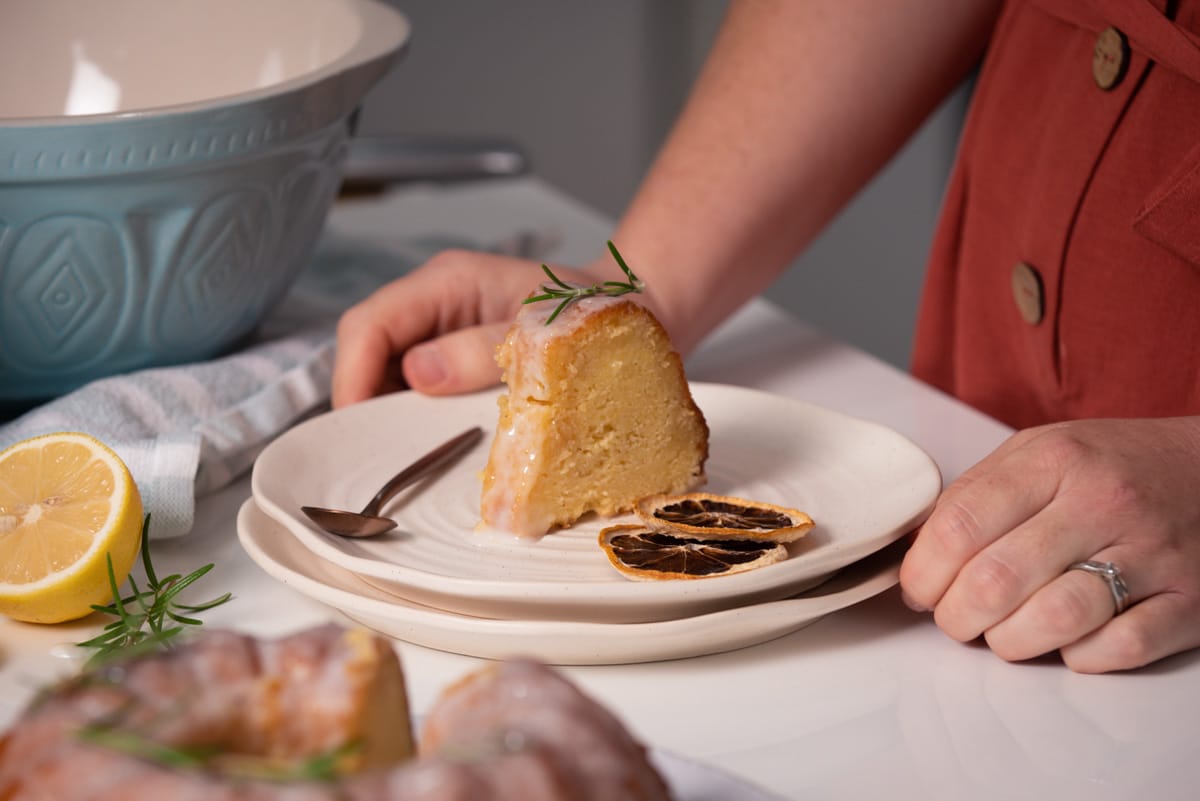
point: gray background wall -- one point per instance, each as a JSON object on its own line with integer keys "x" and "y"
{"x": 589, "y": 90}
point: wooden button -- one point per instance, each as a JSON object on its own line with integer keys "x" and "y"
{"x": 1110, "y": 58}
{"x": 1027, "y": 293}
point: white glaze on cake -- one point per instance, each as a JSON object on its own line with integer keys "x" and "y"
{"x": 251, "y": 711}
{"x": 548, "y": 428}
{"x": 515, "y": 448}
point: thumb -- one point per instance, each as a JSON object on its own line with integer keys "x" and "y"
{"x": 460, "y": 361}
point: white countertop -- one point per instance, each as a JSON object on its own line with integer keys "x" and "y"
{"x": 869, "y": 702}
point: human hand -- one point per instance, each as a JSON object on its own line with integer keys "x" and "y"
{"x": 993, "y": 557}
{"x": 436, "y": 329}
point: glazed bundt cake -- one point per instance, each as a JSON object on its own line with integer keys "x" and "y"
{"x": 320, "y": 715}
{"x": 597, "y": 415}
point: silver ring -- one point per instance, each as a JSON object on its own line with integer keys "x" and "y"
{"x": 1112, "y": 576}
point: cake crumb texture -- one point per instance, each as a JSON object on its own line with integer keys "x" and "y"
{"x": 597, "y": 415}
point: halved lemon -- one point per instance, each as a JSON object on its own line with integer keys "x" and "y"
{"x": 643, "y": 554}
{"x": 67, "y": 503}
{"x": 700, "y": 515}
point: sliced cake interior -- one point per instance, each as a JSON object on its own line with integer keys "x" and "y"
{"x": 597, "y": 415}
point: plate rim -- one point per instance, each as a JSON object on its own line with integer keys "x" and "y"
{"x": 472, "y": 591}
{"x": 575, "y": 642}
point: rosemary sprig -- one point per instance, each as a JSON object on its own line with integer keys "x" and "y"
{"x": 128, "y": 742}
{"x": 146, "y": 619}
{"x": 323, "y": 767}
{"x": 567, "y": 294}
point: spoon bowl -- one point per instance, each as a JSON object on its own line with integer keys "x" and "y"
{"x": 348, "y": 524}
{"x": 368, "y": 522}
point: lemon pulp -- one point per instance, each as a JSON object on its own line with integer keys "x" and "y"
{"x": 67, "y": 503}
{"x": 644, "y": 554}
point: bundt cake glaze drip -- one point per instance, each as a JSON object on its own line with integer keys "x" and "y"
{"x": 227, "y": 717}
{"x": 597, "y": 415}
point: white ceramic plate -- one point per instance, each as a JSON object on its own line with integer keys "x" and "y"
{"x": 864, "y": 485}
{"x": 691, "y": 781}
{"x": 556, "y": 642}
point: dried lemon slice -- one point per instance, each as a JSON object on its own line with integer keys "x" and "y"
{"x": 699, "y": 515}
{"x": 643, "y": 554}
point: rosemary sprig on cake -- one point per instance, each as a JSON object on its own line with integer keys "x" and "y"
{"x": 323, "y": 767}
{"x": 567, "y": 293}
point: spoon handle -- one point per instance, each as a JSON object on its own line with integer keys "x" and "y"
{"x": 435, "y": 458}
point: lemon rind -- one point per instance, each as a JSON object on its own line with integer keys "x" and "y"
{"x": 28, "y": 601}
{"x": 773, "y": 556}
{"x": 645, "y": 512}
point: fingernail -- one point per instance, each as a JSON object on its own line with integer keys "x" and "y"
{"x": 424, "y": 366}
{"x": 912, "y": 603}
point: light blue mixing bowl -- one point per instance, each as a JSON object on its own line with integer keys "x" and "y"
{"x": 163, "y": 233}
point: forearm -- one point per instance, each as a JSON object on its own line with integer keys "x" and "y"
{"x": 798, "y": 105}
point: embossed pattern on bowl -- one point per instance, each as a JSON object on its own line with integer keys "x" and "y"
{"x": 140, "y": 235}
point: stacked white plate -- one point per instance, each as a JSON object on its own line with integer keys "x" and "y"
{"x": 442, "y": 581}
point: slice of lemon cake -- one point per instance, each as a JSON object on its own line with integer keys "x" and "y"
{"x": 597, "y": 415}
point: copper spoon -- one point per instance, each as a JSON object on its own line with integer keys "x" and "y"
{"x": 368, "y": 522}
